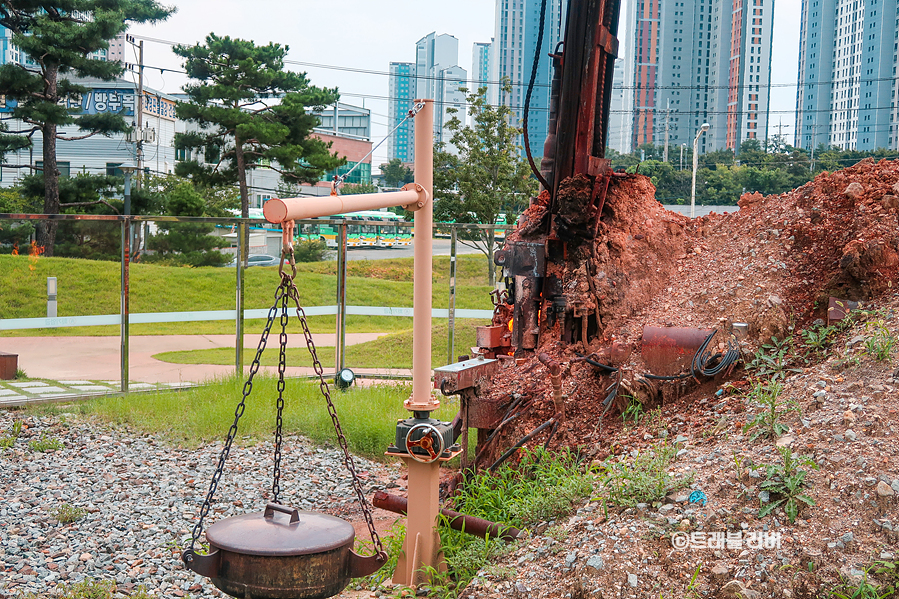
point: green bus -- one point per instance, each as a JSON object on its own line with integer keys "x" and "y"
{"x": 380, "y": 230}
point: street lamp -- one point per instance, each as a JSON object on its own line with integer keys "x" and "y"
{"x": 127, "y": 168}
{"x": 703, "y": 129}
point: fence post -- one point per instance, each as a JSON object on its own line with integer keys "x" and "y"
{"x": 451, "y": 323}
{"x": 340, "y": 342}
{"x": 126, "y": 258}
{"x": 239, "y": 288}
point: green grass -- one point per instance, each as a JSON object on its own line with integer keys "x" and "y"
{"x": 643, "y": 479}
{"x": 66, "y": 513}
{"x": 389, "y": 351}
{"x": 92, "y": 287}
{"x": 200, "y": 415}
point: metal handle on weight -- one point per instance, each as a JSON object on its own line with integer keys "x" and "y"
{"x": 271, "y": 508}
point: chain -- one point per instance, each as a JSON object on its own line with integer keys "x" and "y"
{"x": 282, "y": 364}
{"x": 280, "y": 297}
{"x": 294, "y": 294}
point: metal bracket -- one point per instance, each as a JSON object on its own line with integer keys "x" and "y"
{"x": 608, "y": 42}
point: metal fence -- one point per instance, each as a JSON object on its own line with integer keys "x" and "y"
{"x": 127, "y": 226}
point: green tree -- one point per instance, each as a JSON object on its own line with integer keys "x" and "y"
{"x": 239, "y": 123}
{"x": 189, "y": 244}
{"x": 60, "y": 37}
{"x": 14, "y": 233}
{"x": 396, "y": 174}
{"x": 487, "y": 177}
{"x": 355, "y": 188}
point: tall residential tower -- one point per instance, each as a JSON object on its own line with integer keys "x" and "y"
{"x": 848, "y": 87}
{"x": 401, "y": 142}
{"x": 514, "y": 47}
{"x": 435, "y": 74}
{"x": 699, "y": 61}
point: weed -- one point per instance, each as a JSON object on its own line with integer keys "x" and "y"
{"x": 9, "y": 440}
{"x": 393, "y": 542}
{"x": 861, "y": 590}
{"x": 656, "y": 423}
{"x": 66, "y": 513}
{"x": 45, "y": 444}
{"x": 786, "y": 481}
{"x": 888, "y": 572}
{"x": 645, "y": 479}
{"x": 557, "y": 533}
{"x": 819, "y": 337}
{"x": 500, "y": 572}
{"x": 633, "y": 411}
{"x": 20, "y": 374}
{"x": 768, "y": 422}
{"x": 692, "y": 592}
{"x": 773, "y": 359}
{"x": 881, "y": 342}
{"x": 86, "y": 589}
{"x": 544, "y": 486}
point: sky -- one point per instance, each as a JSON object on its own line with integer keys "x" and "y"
{"x": 361, "y": 34}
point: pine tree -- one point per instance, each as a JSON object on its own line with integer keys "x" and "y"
{"x": 249, "y": 113}
{"x": 60, "y": 37}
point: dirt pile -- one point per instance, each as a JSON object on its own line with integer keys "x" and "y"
{"x": 772, "y": 265}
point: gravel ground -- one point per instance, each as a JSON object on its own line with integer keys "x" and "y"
{"x": 141, "y": 497}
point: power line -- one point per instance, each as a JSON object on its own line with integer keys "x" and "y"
{"x": 751, "y": 87}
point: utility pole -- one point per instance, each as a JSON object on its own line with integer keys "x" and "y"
{"x": 667, "y": 127}
{"x": 140, "y": 111}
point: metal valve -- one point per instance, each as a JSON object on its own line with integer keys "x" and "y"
{"x": 430, "y": 439}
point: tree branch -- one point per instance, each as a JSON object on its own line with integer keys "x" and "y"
{"x": 77, "y": 137}
{"x": 94, "y": 203}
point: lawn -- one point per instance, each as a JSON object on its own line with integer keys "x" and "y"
{"x": 89, "y": 287}
{"x": 390, "y": 351}
{"x": 201, "y": 415}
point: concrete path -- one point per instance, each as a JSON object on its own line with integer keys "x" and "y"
{"x": 98, "y": 358}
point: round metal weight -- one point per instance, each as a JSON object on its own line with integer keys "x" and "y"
{"x": 292, "y": 555}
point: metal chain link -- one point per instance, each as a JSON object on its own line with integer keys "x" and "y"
{"x": 279, "y": 422}
{"x": 294, "y": 294}
{"x": 280, "y": 297}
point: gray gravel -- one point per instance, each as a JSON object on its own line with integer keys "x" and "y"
{"x": 141, "y": 498}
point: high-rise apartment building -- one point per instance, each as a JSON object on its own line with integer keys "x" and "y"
{"x": 695, "y": 62}
{"x": 432, "y": 54}
{"x": 514, "y": 45}
{"x": 847, "y": 85}
{"x": 435, "y": 74}
{"x": 401, "y": 142}
{"x": 480, "y": 65}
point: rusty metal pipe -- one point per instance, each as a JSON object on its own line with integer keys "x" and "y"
{"x": 461, "y": 522}
{"x": 555, "y": 374}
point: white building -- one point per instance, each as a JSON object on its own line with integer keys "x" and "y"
{"x": 100, "y": 154}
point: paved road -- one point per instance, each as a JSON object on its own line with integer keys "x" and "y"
{"x": 441, "y": 248}
{"x": 97, "y": 358}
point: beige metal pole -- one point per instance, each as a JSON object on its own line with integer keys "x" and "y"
{"x": 422, "y": 544}
{"x": 423, "y": 239}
